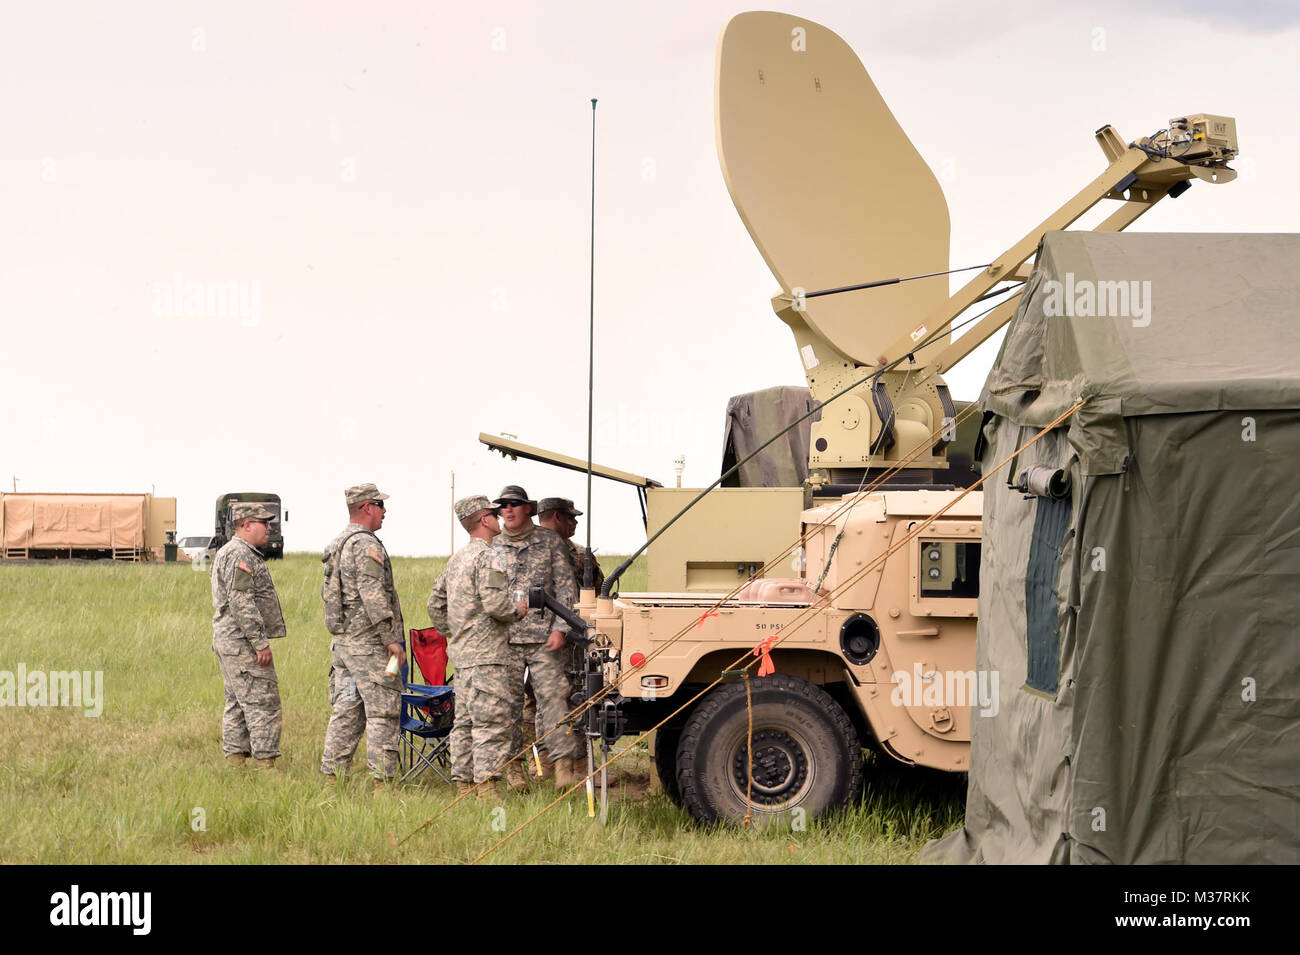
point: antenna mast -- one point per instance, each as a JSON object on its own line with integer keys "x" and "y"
{"x": 587, "y": 575}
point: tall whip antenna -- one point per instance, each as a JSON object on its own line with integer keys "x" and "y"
{"x": 587, "y": 576}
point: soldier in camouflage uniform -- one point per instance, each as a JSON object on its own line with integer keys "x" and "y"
{"x": 363, "y": 613}
{"x": 471, "y": 604}
{"x": 537, "y": 557}
{"x": 559, "y": 514}
{"x": 246, "y": 617}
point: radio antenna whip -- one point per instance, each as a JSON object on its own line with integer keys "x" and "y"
{"x": 587, "y": 575}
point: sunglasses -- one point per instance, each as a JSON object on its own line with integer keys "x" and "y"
{"x": 378, "y": 504}
{"x": 514, "y": 503}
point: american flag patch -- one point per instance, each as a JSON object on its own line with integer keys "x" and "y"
{"x": 244, "y": 567}
{"x": 374, "y": 553}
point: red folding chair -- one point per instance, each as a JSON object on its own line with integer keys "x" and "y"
{"x": 429, "y": 647}
{"x": 428, "y": 709}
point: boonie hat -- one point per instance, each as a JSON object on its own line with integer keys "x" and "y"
{"x": 513, "y": 492}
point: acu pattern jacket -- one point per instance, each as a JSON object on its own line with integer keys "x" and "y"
{"x": 358, "y": 565}
{"x": 472, "y": 607}
{"x": 537, "y": 558}
{"x": 245, "y": 606}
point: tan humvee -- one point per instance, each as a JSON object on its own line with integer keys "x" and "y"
{"x": 873, "y": 641}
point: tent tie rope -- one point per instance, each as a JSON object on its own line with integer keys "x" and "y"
{"x": 749, "y": 750}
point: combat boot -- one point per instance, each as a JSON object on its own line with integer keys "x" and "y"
{"x": 489, "y": 791}
{"x": 236, "y": 759}
{"x": 566, "y": 772}
{"x": 463, "y": 788}
{"x": 267, "y": 765}
{"x": 516, "y": 779}
{"x": 547, "y": 767}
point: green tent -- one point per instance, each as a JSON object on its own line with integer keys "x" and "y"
{"x": 1141, "y": 563}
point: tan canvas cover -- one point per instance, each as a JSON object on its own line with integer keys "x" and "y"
{"x": 1144, "y": 627}
{"x": 74, "y": 521}
{"x": 753, "y": 419}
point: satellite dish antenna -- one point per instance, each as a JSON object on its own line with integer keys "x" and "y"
{"x": 828, "y": 184}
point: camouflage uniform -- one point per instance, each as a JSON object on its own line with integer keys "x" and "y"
{"x": 471, "y": 604}
{"x": 564, "y": 506}
{"x": 576, "y": 554}
{"x": 539, "y": 558}
{"x": 577, "y": 654}
{"x": 363, "y": 695}
{"x": 246, "y": 616}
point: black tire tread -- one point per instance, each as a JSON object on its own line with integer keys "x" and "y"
{"x": 666, "y": 743}
{"x": 721, "y": 697}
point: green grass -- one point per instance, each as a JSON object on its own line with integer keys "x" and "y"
{"x": 131, "y": 785}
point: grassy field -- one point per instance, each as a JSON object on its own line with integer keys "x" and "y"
{"x": 144, "y": 782}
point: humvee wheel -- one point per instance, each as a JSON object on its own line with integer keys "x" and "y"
{"x": 806, "y": 752}
{"x": 666, "y": 762}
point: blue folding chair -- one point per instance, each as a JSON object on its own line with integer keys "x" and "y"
{"x": 428, "y": 712}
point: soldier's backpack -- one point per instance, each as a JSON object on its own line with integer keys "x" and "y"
{"x": 332, "y": 586}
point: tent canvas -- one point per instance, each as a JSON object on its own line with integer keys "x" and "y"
{"x": 1144, "y": 626}
{"x": 73, "y": 521}
{"x": 752, "y": 419}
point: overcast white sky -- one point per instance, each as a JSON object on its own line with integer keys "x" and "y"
{"x": 402, "y": 190}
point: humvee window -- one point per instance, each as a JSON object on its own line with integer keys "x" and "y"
{"x": 950, "y": 569}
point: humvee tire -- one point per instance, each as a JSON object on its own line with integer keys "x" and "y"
{"x": 666, "y": 741}
{"x": 806, "y": 752}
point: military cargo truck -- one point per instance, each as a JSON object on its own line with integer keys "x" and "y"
{"x": 129, "y": 527}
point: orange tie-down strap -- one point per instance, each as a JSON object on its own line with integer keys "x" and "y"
{"x": 765, "y": 667}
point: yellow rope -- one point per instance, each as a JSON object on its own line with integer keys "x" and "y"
{"x": 749, "y": 748}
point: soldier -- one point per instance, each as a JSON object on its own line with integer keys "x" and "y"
{"x": 363, "y": 613}
{"x": 247, "y": 617}
{"x": 559, "y": 514}
{"x": 537, "y": 557}
{"x": 471, "y": 604}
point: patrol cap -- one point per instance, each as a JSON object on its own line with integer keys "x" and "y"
{"x": 513, "y": 492}
{"x": 469, "y": 506}
{"x": 360, "y": 493}
{"x": 558, "y": 504}
{"x": 250, "y": 512}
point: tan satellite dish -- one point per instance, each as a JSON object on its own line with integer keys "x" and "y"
{"x": 828, "y": 184}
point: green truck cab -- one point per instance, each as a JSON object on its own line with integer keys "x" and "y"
{"x": 224, "y": 530}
